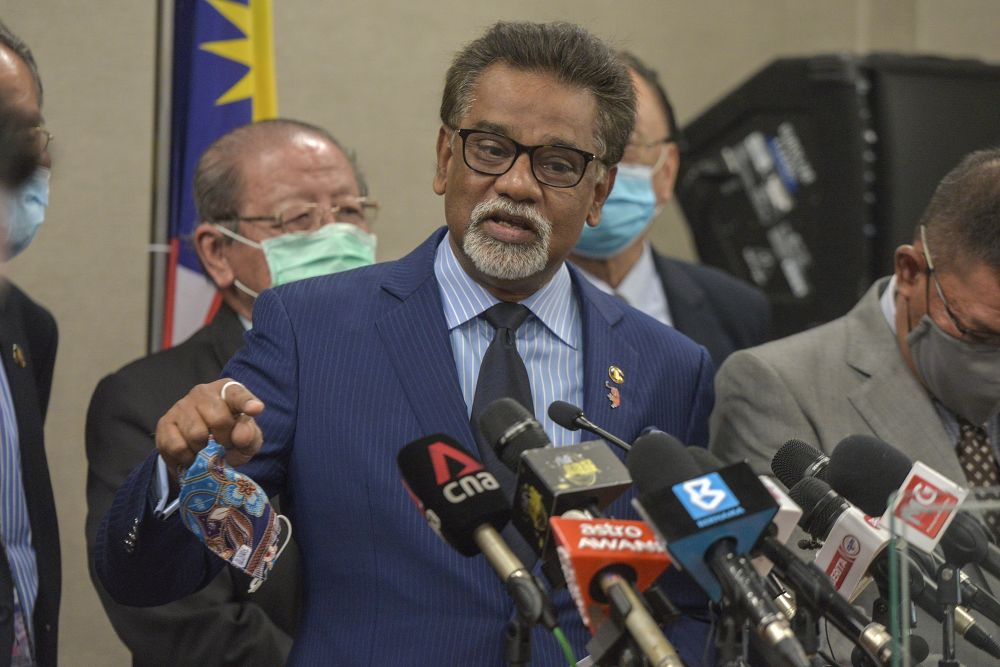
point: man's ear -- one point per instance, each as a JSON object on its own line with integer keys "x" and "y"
{"x": 602, "y": 188}
{"x": 910, "y": 267}
{"x": 444, "y": 156}
{"x": 210, "y": 243}
{"x": 666, "y": 176}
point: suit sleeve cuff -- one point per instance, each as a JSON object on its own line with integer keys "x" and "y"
{"x": 159, "y": 493}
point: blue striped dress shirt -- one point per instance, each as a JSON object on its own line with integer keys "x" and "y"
{"x": 15, "y": 529}
{"x": 550, "y": 342}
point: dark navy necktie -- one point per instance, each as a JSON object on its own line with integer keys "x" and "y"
{"x": 503, "y": 375}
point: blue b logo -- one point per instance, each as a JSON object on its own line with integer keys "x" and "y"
{"x": 705, "y": 496}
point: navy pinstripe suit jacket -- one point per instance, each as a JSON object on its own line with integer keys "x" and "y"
{"x": 352, "y": 367}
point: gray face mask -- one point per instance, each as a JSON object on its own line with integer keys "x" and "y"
{"x": 965, "y": 377}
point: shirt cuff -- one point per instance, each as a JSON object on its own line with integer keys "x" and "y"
{"x": 161, "y": 488}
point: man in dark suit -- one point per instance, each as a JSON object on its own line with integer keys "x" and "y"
{"x": 354, "y": 366}
{"x": 270, "y": 166}
{"x": 705, "y": 304}
{"x": 29, "y": 534}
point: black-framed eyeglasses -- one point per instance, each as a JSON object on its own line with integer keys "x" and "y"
{"x": 494, "y": 154}
{"x": 360, "y": 211}
{"x": 44, "y": 137}
{"x": 991, "y": 338}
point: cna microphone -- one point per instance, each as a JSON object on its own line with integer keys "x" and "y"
{"x": 550, "y": 480}
{"x": 811, "y": 585}
{"x": 606, "y": 562}
{"x": 710, "y": 522}
{"x": 465, "y": 506}
{"x": 571, "y": 417}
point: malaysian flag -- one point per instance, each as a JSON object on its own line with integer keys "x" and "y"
{"x": 222, "y": 77}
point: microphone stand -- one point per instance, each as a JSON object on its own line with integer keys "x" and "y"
{"x": 533, "y": 607}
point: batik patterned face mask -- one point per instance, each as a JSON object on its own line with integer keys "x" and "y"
{"x": 231, "y": 514}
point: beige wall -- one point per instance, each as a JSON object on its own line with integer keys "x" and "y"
{"x": 372, "y": 72}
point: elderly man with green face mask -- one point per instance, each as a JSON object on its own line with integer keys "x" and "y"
{"x": 705, "y": 304}
{"x": 278, "y": 201}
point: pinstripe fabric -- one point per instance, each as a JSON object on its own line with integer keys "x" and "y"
{"x": 352, "y": 367}
{"x": 15, "y": 529}
{"x": 549, "y": 342}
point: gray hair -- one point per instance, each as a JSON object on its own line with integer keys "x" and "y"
{"x": 21, "y": 50}
{"x": 963, "y": 217}
{"x": 569, "y": 52}
{"x": 218, "y": 178}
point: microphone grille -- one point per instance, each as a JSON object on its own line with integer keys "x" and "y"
{"x": 794, "y": 460}
{"x": 565, "y": 414}
{"x": 510, "y": 429}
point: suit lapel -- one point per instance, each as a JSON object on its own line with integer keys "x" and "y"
{"x": 602, "y": 350}
{"x": 415, "y": 337}
{"x": 891, "y": 401}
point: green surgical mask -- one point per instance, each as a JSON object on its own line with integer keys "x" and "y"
{"x": 338, "y": 246}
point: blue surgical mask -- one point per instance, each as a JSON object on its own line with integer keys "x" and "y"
{"x": 627, "y": 213}
{"x": 27, "y": 212}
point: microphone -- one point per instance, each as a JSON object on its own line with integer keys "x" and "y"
{"x": 795, "y": 460}
{"x": 709, "y": 523}
{"x": 571, "y": 417}
{"x": 511, "y": 430}
{"x": 465, "y": 506}
{"x": 851, "y": 541}
{"x": 854, "y": 543}
{"x": 550, "y": 480}
{"x": 963, "y": 541}
{"x": 811, "y": 585}
{"x": 604, "y": 562}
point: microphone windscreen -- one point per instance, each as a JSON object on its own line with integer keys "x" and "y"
{"x": 796, "y": 460}
{"x": 820, "y": 504}
{"x": 658, "y": 461}
{"x": 452, "y": 489}
{"x": 706, "y": 460}
{"x": 807, "y": 494}
{"x": 866, "y": 471}
{"x": 565, "y": 414}
{"x": 511, "y": 430}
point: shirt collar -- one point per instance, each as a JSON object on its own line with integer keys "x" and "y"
{"x": 464, "y": 299}
{"x": 888, "y": 303}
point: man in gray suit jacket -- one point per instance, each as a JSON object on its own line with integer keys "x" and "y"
{"x": 916, "y": 363}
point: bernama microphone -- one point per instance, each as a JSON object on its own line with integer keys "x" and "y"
{"x": 550, "y": 480}
{"x": 854, "y": 551}
{"x": 812, "y": 586}
{"x": 464, "y": 504}
{"x": 709, "y": 523}
{"x": 925, "y": 506}
{"x": 605, "y": 562}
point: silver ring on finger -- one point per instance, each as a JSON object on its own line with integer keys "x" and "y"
{"x": 222, "y": 392}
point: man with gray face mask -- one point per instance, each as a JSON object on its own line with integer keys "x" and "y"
{"x": 916, "y": 363}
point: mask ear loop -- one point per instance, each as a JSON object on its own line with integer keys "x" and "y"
{"x": 256, "y": 582}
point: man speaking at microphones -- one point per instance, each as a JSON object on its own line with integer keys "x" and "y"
{"x": 340, "y": 372}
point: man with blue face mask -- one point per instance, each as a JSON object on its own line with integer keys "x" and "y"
{"x": 712, "y": 308}
{"x": 915, "y": 363}
{"x": 278, "y": 201}
{"x": 29, "y": 560}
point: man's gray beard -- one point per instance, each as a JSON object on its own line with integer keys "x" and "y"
{"x": 507, "y": 261}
